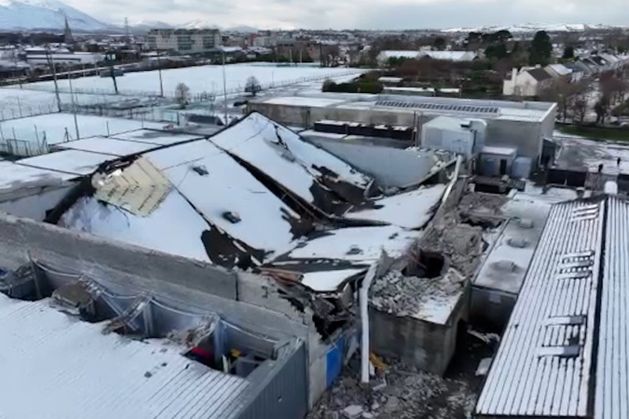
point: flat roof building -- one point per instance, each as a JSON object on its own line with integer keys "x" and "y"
{"x": 563, "y": 354}
{"x": 522, "y": 125}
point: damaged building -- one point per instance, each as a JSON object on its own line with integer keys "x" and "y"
{"x": 274, "y": 263}
{"x": 253, "y": 215}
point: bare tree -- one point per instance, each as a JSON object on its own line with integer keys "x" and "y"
{"x": 252, "y": 86}
{"x": 579, "y": 106}
{"x": 182, "y": 95}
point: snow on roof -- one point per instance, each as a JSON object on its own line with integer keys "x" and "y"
{"x": 515, "y": 246}
{"x": 389, "y": 79}
{"x": 74, "y": 370}
{"x": 212, "y": 181}
{"x": 173, "y": 227}
{"x": 399, "y": 54}
{"x": 612, "y": 373}
{"x": 298, "y": 166}
{"x": 14, "y": 176}
{"x": 584, "y": 154}
{"x": 328, "y": 281}
{"x": 156, "y": 137}
{"x": 356, "y": 244}
{"x": 409, "y": 210}
{"x": 544, "y": 365}
{"x": 74, "y": 162}
{"x": 303, "y": 101}
{"x": 560, "y": 69}
{"x": 104, "y": 145}
{"x": 502, "y": 151}
{"x": 449, "y": 55}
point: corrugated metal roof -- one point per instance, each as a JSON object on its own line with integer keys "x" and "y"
{"x": 612, "y": 376}
{"x": 54, "y": 366}
{"x": 565, "y": 352}
{"x": 543, "y": 366}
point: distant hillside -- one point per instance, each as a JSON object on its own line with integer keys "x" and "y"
{"x": 529, "y": 27}
{"x": 45, "y": 15}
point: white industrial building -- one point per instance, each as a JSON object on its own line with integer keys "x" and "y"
{"x": 185, "y": 41}
{"x": 522, "y": 126}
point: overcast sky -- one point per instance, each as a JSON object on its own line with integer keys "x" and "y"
{"x": 362, "y": 14}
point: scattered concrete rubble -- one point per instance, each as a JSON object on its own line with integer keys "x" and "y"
{"x": 399, "y": 391}
{"x": 402, "y": 295}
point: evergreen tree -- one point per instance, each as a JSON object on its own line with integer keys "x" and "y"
{"x": 541, "y": 49}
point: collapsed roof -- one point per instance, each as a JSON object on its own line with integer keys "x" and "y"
{"x": 253, "y": 195}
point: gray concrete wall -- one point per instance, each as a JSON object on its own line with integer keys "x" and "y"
{"x": 249, "y": 301}
{"x": 390, "y": 167}
{"x": 428, "y": 346}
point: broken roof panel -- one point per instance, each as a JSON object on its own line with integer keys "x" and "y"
{"x": 74, "y": 162}
{"x": 77, "y": 371}
{"x": 156, "y": 137}
{"x": 228, "y": 196}
{"x": 412, "y": 209}
{"x": 104, "y": 145}
{"x": 300, "y": 167}
{"x": 329, "y": 281}
{"x": 359, "y": 245}
{"x": 174, "y": 227}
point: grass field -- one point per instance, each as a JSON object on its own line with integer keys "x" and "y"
{"x": 596, "y": 133}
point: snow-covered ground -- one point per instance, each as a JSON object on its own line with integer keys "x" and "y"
{"x": 207, "y": 78}
{"x": 18, "y": 103}
{"x": 59, "y": 127}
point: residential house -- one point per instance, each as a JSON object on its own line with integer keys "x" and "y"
{"x": 527, "y": 82}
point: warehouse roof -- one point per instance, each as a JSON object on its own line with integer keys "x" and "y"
{"x": 563, "y": 353}
{"x": 55, "y": 366}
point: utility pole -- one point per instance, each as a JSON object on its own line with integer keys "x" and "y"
{"x": 51, "y": 63}
{"x": 110, "y": 57}
{"x": 224, "y": 89}
{"x": 76, "y": 123}
{"x": 159, "y": 71}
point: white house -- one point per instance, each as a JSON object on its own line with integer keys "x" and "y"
{"x": 527, "y": 82}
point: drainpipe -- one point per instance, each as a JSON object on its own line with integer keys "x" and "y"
{"x": 363, "y": 295}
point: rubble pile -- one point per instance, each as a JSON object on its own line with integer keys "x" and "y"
{"x": 401, "y": 392}
{"x": 461, "y": 243}
{"x": 402, "y": 295}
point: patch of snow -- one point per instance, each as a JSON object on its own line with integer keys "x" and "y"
{"x": 328, "y": 281}
{"x": 357, "y": 244}
{"x": 158, "y": 231}
{"x": 74, "y": 162}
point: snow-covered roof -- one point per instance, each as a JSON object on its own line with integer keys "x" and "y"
{"x": 156, "y": 137}
{"x": 75, "y": 162}
{"x": 560, "y": 69}
{"x": 501, "y": 151}
{"x": 110, "y": 146}
{"x": 174, "y": 227}
{"x": 399, "y": 54}
{"x": 562, "y": 354}
{"x": 302, "y": 168}
{"x": 410, "y": 210}
{"x": 360, "y": 245}
{"x": 506, "y": 265}
{"x": 54, "y": 366}
{"x": 216, "y": 185}
{"x": 14, "y": 176}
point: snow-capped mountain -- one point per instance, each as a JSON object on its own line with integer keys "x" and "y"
{"x": 531, "y": 27}
{"x": 199, "y": 24}
{"x": 45, "y": 14}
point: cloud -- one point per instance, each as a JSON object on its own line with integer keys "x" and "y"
{"x": 361, "y": 14}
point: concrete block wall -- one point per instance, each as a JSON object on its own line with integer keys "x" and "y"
{"x": 246, "y": 300}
